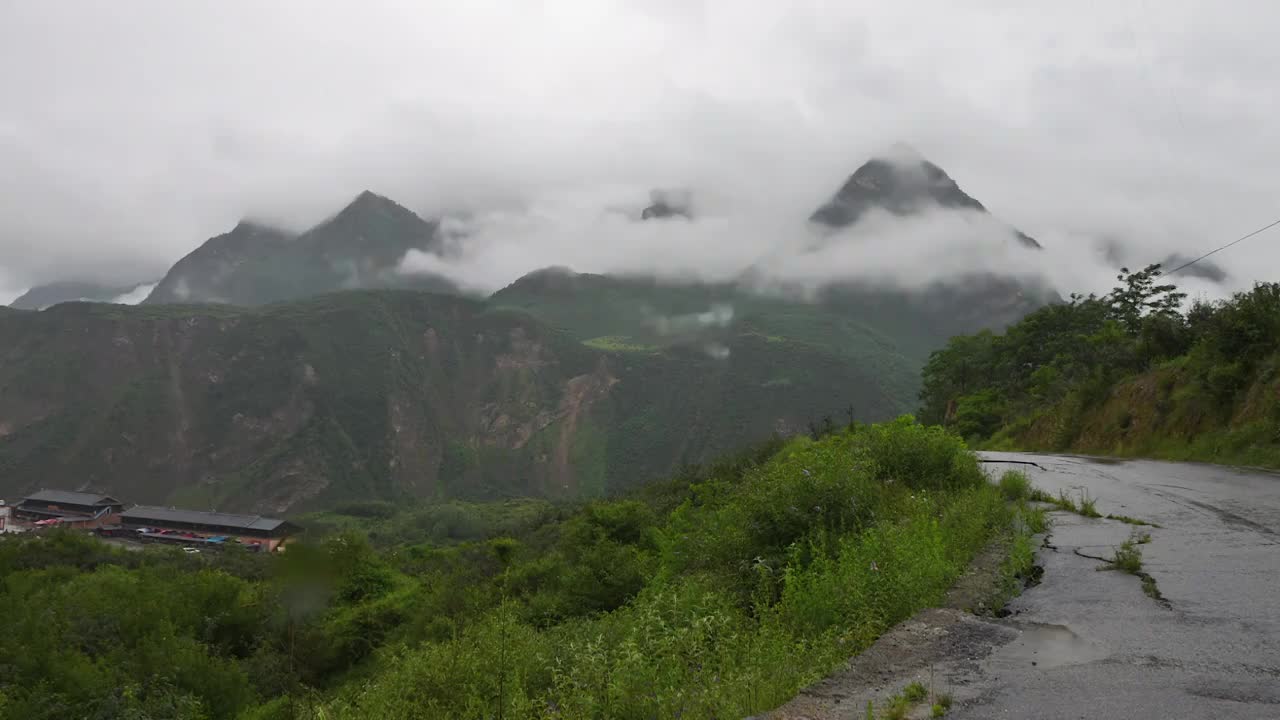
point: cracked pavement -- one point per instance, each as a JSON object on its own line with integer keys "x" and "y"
{"x": 1089, "y": 643}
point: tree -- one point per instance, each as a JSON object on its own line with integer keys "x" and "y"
{"x": 1139, "y": 296}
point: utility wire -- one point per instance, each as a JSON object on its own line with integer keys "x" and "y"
{"x": 1185, "y": 265}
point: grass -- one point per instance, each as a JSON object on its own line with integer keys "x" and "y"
{"x": 1088, "y": 505}
{"x": 1015, "y": 486}
{"x": 618, "y": 343}
{"x": 1035, "y": 518}
{"x": 941, "y": 704}
{"x": 1149, "y": 587}
{"x": 899, "y": 706}
{"x": 1065, "y": 502}
{"x": 915, "y": 692}
{"x": 1132, "y": 520}
{"x": 1128, "y": 557}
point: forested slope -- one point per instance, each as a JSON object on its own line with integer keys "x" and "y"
{"x": 1129, "y": 373}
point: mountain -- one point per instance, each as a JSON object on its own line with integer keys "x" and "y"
{"x": 279, "y": 393}
{"x": 360, "y": 247}
{"x": 666, "y": 203}
{"x": 43, "y": 296}
{"x": 232, "y": 266}
{"x": 384, "y": 394}
{"x": 900, "y": 182}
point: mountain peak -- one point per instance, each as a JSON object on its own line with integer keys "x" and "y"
{"x": 371, "y": 200}
{"x": 900, "y": 181}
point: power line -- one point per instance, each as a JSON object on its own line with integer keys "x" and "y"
{"x": 1264, "y": 228}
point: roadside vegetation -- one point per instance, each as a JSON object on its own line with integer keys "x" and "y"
{"x": 1130, "y": 373}
{"x": 719, "y": 593}
{"x": 901, "y": 705}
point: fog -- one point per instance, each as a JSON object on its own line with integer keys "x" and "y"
{"x": 132, "y": 132}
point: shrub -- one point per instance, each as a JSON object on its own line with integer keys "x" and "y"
{"x": 916, "y": 692}
{"x": 1015, "y": 486}
{"x": 1128, "y": 557}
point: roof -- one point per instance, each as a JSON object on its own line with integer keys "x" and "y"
{"x": 160, "y": 515}
{"x": 58, "y": 513}
{"x": 65, "y": 497}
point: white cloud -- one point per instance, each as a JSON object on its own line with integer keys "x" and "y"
{"x": 131, "y": 132}
{"x": 135, "y": 296}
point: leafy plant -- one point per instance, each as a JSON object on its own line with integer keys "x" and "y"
{"x": 1015, "y": 485}
{"x": 1128, "y": 557}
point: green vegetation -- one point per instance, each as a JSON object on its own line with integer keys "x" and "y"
{"x": 1151, "y": 590}
{"x": 1129, "y": 373}
{"x": 941, "y": 705}
{"x": 899, "y": 706}
{"x": 389, "y": 524}
{"x": 618, "y": 343}
{"x": 1036, "y": 519}
{"x": 718, "y": 593}
{"x": 1088, "y": 505}
{"x": 1015, "y": 486}
{"x": 1065, "y": 502}
{"x": 390, "y": 395}
{"x": 915, "y": 692}
{"x": 1132, "y": 520}
{"x": 1128, "y": 557}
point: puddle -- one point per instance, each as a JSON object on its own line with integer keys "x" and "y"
{"x": 1049, "y": 646}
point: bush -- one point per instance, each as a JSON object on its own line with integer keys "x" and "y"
{"x": 1015, "y": 486}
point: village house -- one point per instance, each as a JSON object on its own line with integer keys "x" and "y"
{"x": 196, "y": 528}
{"x": 85, "y": 510}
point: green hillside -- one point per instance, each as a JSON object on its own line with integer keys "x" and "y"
{"x": 887, "y": 333}
{"x": 382, "y": 395}
{"x": 1129, "y": 373}
{"x": 719, "y": 593}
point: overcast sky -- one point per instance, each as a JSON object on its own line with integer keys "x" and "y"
{"x": 130, "y": 132}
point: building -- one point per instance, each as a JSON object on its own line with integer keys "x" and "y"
{"x": 193, "y": 527}
{"x": 66, "y": 509}
{"x": 6, "y": 522}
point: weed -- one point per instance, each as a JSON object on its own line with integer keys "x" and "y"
{"x": 1149, "y": 587}
{"x": 1128, "y": 557}
{"x": 1015, "y": 485}
{"x": 937, "y": 710}
{"x": 1132, "y": 520}
{"x": 1035, "y": 518}
{"x": 1039, "y": 495}
{"x": 1088, "y": 505}
{"x": 1022, "y": 556}
{"x": 1142, "y": 538}
{"x": 898, "y": 708}
{"x": 943, "y": 701}
{"x": 1065, "y": 502}
{"x": 915, "y": 692}
{"x": 871, "y": 711}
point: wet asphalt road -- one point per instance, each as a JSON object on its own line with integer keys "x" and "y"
{"x": 1091, "y": 644}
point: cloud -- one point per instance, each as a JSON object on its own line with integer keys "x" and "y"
{"x": 132, "y": 132}
{"x": 773, "y": 246}
{"x": 136, "y": 295}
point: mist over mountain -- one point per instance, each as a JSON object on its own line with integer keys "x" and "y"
{"x": 359, "y": 247}
{"x": 43, "y": 296}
